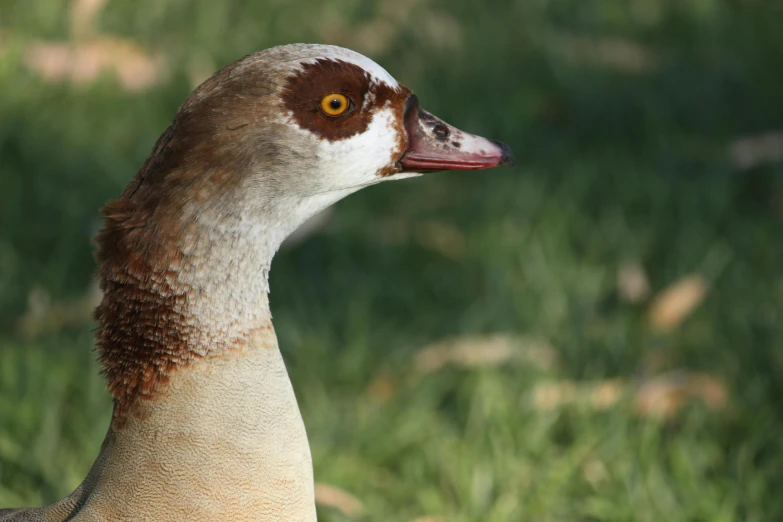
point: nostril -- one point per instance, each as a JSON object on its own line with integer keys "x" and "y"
{"x": 441, "y": 131}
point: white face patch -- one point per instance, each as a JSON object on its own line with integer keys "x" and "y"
{"x": 356, "y": 161}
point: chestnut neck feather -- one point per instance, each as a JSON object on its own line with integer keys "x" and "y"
{"x": 175, "y": 293}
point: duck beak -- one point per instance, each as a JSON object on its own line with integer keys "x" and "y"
{"x": 435, "y": 145}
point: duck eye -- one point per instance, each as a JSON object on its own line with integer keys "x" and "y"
{"x": 335, "y": 104}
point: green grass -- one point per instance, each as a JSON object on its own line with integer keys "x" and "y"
{"x": 614, "y": 164}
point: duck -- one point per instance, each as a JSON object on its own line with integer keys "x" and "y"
{"x": 205, "y": 424}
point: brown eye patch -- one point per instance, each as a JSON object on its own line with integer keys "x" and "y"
{"x": 305, "y": 90}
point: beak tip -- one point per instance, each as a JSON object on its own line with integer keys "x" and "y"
{"x": 507, "y": 155}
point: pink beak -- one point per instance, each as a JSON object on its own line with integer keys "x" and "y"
{"x": 435, "y": 145}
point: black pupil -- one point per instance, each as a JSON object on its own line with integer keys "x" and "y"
{"x": 335, "y": 103}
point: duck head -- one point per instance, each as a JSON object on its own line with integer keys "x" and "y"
{"x": 297, "y": 122}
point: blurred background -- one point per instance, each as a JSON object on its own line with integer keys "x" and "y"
{"x": 595, "y": 334}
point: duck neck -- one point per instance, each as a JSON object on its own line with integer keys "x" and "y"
{"x": 205, "y": 418}
{"x": 171, "y": 300}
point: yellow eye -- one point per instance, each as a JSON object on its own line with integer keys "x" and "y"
{"x": 335, "y": 104}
